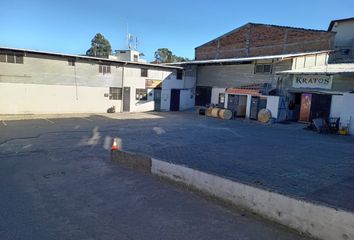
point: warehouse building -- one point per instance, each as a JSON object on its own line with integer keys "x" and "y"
{"x": 249, "y": 55}
{"x": 33, "y": 82}
{"x": 280, "y": 68}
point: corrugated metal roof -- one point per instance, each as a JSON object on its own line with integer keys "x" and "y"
{"x": 326, "y": 69}
{"x": 86, "y": 57}
{"x": 246, "y": 59}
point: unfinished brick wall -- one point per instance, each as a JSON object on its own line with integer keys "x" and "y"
{"x": 260, "y": 40}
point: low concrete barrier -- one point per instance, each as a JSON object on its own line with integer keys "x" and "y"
{"x": 315, "y": 220}
{"x": 132, "y": 160}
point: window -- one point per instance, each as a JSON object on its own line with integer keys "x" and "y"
{"x": 144, "y": 72}
{"x": 221, "y": 98}
{"x": 115, "y": 93}
{"x": 136, "y": 58}
{"x": 11, "y": 57}
{"x": 104, "y": 69}
{"x": 263, "y": 68}
{"x": 2, "y": 57}
{"x": 141, "y": 94}
{"x": 179, "y": 74}
{"x": 71, "y": 62}
{"x": 19, "y": 58}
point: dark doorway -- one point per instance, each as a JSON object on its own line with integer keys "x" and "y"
{"x": 157, "y": 99}
{"x": 321, "y": 105}
{"x": 203, "y": 96}
{"x": 174, "y": 103}
{"x": 294, "y": 107}
{"x": 126, "y": 99}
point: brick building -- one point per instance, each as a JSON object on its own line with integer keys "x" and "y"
{"x": 253, "y": 39}
{"x": 297, "y": 74}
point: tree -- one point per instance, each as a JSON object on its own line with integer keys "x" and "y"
{"x": 164, "y": 55}
{"x": 100, "y": 47}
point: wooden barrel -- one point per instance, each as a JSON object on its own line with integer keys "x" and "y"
{"x": 225, "y": 114}
{"x": 264, "y": 115}
{"x": 215, "y": 112}
{"x": 208, "y": 111}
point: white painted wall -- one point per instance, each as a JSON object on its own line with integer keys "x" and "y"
{"x": 16, "y": 98}
{"x": 345, "y": 34}
{"x": 48, "y": 84}
{"x": 248, "y": 106}
{"x": 215, "y": 91}
{"x": 186, "y": 99}
{"x": 347, "y": 113}
{"x": 336, "y": 106}
{"x": 273, "y": 105}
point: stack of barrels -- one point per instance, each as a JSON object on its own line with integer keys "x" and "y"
{"x": 216, "y": 112}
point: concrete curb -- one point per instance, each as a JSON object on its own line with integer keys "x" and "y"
{"x": 132, "y": 160}
{"x": 315, "y": 220}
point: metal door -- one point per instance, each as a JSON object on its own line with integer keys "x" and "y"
{"x": 254, "y": 108}
{"x": 305, "y": 110}
{"x": 157, "y": 99}
{"x": 203, "y": 96}
{"x": 232, "y": 101}
{"x": 126, "y": 99}
{"x": 174, "y": 103}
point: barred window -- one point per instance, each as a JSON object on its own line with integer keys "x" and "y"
{"x": 104, "y": 69}
{"x": 19, "y": 58}
{"x": 263, "y": 68}
{"x": 144, "y": 72}
{"x": 2, "y": 57}
{"x": 71, "y": 62}
{"x": 141, "y": 94}
{"x": 11, "y": 57}
{"x": 115, "y": 93}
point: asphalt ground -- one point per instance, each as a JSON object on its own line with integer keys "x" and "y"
{"x": 57, "y": 182}
{"x": 282, "y": 157}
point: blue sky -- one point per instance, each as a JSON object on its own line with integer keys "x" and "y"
{"x": 69, "y": 25}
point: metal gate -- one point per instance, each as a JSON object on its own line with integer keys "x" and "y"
{"x": 157, "y": 99}
{"x": 126, "y": 99}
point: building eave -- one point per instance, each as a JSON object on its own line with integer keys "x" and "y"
{"x": 98, "y": 59}
{"x": 247, "y": 59}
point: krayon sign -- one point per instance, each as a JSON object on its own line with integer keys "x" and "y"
{"x": 313, "y": 81}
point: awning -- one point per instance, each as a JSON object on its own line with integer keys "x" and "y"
{"x": 255, "y": 89}
{"x": 243, "y": 91}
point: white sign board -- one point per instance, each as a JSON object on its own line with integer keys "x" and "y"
{"x": 312, "y": 81}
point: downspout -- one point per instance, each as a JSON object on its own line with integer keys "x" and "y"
{"x": 76, "y": 90}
